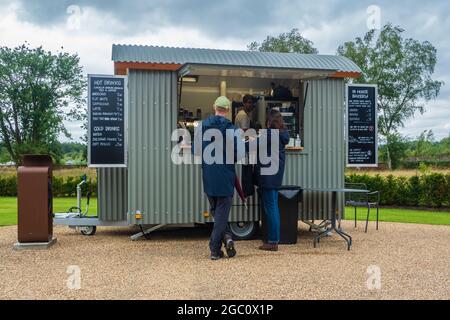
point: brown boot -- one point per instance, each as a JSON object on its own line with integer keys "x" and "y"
{"x": 269, "y": 247}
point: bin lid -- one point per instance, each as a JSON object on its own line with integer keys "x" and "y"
{"x": 36, "y": 160}
{"x": 288, "y": 192}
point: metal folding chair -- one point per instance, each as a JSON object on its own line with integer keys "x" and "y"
{"x": 368, "y": 200}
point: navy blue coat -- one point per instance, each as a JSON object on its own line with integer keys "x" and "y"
{"x": 218, "y": 179}
{"x": 273, "y": 181}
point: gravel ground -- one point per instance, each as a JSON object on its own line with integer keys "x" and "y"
{"x": 414, "y": 261}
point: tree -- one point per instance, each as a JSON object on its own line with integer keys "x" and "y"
{"x": 424, "y": 144}
{"x": 4, "y": 155}
{"x": 397, "y": 150}
{"x": 38, "y": 90}
{"x": 402, "y": 69}
{"x": 444, "y": 147}
{"x": 74, "y": 151}
{"x": 285, "y": 42}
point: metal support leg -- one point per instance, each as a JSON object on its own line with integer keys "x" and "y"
{"x": 340, "y": 220}
{"x": 367, "y": 219}
{"x": 341, "y": 233}
{"x": 146, "y": 232}
{"x": 310, "y": 227}
{"x": 346, "y": 237}
{"x": 377, "y": 216}
{"x": 320, "y": 236}
{"x": 355, "y": 218}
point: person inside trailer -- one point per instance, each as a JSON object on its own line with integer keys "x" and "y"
{"x": 243, "y": 119}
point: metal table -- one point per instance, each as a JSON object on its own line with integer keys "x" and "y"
{"x": 334, "y": 192}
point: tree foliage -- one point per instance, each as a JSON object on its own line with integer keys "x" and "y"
{"x": 398, "y": 148}
{"x": 291, "y": 41}
{"x": 402, "y": 69}
{"x": 38, "y": 90}
{"x": 425, "y": 148}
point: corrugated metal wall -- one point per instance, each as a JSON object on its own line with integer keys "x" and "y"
{"x": 321, "y": 165}
{"x": 112, "y": 194}
{"x": 168, "y": 194}
{"x": 163, "y": 192}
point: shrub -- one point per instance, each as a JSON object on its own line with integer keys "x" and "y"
{"x": 8, "y": 186}
{"x": 425, "y": 190}
{"x": 61, "y": 187}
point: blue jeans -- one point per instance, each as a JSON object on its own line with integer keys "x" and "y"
{"x": 220, "y": 209}
{"x": 270, "y": 202}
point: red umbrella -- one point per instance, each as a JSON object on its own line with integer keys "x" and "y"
{"x": 237, "y": 185}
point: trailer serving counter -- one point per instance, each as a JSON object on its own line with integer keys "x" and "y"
{"x": 151, "y": 190}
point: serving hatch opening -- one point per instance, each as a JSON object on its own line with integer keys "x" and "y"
{"x": 195, "y": 99}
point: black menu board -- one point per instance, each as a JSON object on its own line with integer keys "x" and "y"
{"x": 362, "y": 136}
{"x": 107, "y": 104}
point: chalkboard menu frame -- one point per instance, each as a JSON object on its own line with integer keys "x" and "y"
{"x": 124, "y": 123}
{"x": 365, "y": 164}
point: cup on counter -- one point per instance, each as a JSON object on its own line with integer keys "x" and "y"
{"x": 291, "y": 143}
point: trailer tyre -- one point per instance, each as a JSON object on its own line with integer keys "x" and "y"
{"x": 244, "y": 230}
{"x": 88, "y": 231}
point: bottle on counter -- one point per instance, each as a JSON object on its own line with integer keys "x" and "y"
{"x": 298, "y": 141}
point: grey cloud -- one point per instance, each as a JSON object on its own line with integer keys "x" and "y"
{"x": 250, "y": 19}
{"x": 330, "y": 23}
{"x": 213, "y": 17}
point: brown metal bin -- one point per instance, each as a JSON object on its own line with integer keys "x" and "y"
{"x": 34, "y": 200}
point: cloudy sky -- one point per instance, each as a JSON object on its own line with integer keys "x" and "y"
{"x": 91, "y": 27}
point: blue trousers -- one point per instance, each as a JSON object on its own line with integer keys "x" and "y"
{"x": 270, "y": 202}
{"x": 220, "y": 210}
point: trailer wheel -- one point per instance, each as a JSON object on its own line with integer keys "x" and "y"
{"x": 88, "y": 231}
{"x": 244, "y": 230}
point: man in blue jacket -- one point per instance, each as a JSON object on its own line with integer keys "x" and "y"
{"x": 218, "y": 178}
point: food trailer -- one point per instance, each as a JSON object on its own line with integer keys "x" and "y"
{"x": 172, "y": 87}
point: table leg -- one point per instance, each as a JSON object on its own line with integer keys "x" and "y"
{"x": 320, "y": 236}
{"x": 341, "y": 233}
{"x": 333, "y": 221}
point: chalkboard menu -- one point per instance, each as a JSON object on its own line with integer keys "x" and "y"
{"x": 362, "y": 136}
{"x": 107, "y": 105}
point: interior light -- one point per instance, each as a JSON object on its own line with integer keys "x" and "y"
{"x": 191, "y": 79}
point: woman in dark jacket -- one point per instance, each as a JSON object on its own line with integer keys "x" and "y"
{"x": 269, "y": 184}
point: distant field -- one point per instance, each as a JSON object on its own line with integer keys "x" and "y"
{"x": 73, "y": 172}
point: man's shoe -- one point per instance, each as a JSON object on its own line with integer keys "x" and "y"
{"x": 218, "y": 256}
{"x": 269, "y": 247}
{"x": 229, "y": 247}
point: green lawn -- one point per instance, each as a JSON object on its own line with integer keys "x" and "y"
{"x": 8, "y": 212}
{"x": 8, "y": 208}
{"x": 401, "y": 215}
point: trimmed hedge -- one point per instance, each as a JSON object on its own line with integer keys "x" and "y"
{"x": 68, "y": 187}
{"x": 62, "y": 187}
{"x": 427, "y": 190}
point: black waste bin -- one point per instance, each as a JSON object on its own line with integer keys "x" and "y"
{"x": 289, "y": 198}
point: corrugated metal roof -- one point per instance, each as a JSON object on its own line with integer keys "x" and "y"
{"x": 155, "y": 54}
